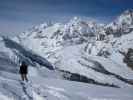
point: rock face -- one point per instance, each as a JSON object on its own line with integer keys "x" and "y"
{"x": 128, "y": 59}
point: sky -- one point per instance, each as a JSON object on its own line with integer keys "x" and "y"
{"x": 17, "y": 16}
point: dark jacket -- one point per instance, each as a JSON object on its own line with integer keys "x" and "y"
{"x": 23, "y": 69}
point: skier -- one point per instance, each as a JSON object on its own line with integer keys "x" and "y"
{"x": 24, "y": 71}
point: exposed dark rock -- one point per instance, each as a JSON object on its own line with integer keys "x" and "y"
{"x": 80, "y": 78}
{"x": 103, "y": 53}
{"x": 128, "y": 59}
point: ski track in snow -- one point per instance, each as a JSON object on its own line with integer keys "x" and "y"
{"x": 25, "y": 89}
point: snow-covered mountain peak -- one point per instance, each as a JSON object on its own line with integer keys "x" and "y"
{"x": 126, "y": 18}
{"x": 128, "y": 12}
{"x": 122, "y": 25}
{"x": 42, "y": 26}
{"x": 75, "y": 19}
{"x": 81, "y": 21}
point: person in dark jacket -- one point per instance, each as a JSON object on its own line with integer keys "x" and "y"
{"x": 24, "y": 71}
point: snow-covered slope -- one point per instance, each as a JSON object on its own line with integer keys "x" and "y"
{"x": 40, "y": 88}
{"x": 45, "y": 85}
{"x": 74, "y": 48}
{"x": 73, "y": 51}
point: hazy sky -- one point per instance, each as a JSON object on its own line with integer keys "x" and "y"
{"x": 18, "y": 15}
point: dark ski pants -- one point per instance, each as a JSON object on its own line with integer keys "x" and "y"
{"x": 24, "y": 77}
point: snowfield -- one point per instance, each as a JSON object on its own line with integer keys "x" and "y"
{"x": 78, "y": 60}
{"x": 40, "y": 88}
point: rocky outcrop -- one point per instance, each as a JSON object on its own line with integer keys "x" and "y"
{"x": 128, "y": 59}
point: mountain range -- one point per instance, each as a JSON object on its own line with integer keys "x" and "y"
{"x": 84, "y": 53}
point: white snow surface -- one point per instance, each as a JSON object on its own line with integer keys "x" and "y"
{"x": 43, "y": 88}
{"x": 72, "y": 47}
